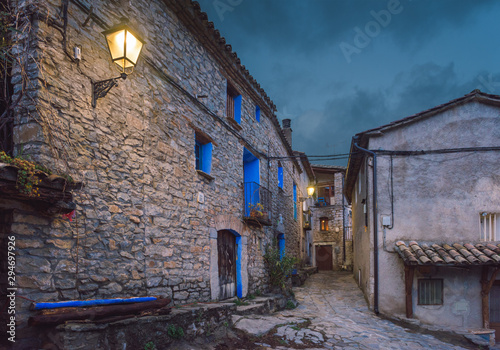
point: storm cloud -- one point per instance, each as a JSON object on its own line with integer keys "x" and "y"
{"x": 406, "y": 56}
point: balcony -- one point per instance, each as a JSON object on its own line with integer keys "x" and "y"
{"x": 257, "y": 207}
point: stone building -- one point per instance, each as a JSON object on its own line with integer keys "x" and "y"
{"x": 425, "y": 193}
{"x": 183, "y": 170}
{"x": 329, "y": 241}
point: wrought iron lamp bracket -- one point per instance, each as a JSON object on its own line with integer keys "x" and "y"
{"x": 101, "y": 88}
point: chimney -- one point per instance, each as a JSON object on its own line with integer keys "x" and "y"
{"x": 287, "y": 130}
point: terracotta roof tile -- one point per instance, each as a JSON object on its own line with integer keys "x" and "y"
{"x": 456, "y": 254}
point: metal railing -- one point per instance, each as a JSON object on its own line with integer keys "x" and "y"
{"x": 257, "y": 204}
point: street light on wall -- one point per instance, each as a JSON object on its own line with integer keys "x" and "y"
{"x": 124, "y": 46}
{"x": 310, "y": 191}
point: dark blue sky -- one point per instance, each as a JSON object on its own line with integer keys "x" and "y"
{"x": 339, "y": 67}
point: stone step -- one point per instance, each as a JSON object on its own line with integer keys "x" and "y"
{"x": 256, "y": 309}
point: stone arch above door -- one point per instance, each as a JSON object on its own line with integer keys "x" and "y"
{"x": 240, "y": 230}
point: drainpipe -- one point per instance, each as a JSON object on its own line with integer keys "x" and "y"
{"x": 343, "y": 221}
{"x": 375, "y": 228}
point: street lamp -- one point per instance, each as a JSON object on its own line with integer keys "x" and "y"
{"x": 124, "y": 46}
{"x": 310, "y": 191}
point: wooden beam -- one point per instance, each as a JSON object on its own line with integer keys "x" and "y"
{"x": 409, "y": 273}
{"x": 95, "y": 313}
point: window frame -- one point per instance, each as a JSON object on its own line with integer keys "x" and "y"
{"x": 323, "y": 220}
{"x": 420, "y": 297}
{"x": 233, "y": 104}
{"x": 257, "y": 113}
{"x": 490, "y": 231}
{"x": 203, "y": 149}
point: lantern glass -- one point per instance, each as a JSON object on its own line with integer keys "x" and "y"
{"x": 310, "y": 190}
{"x": 124, "y": 46}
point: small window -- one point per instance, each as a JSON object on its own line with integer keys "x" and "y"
{"x": 233, "y": 104}
{"x": 490, "y": 227}
{"x": 280, "y": 176}
{"x": 257, "y": 113}
{"x": 430, "y": 291}
{"x": 323, "y": 222}
{"x": 203, "y": 153}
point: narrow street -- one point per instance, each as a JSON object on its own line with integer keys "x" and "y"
{"x": 332, "y": 314}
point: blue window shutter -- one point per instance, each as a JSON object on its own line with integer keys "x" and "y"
{"x": 281, "y": 245}
{"x": 280, "y": 177}
{"x": 206, "y": 160}
{"x": 237, "y": 109}
{"x": 257, "y": 113}
{"x": 295, "y": 201}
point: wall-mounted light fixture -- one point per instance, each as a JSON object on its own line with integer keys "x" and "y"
{"x": 124, "y": 46}
{"x": 310, "y": 191}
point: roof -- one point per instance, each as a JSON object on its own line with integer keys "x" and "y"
{"x": 335, "y": 168}
{"x": 362, "y": 138}
{"x": 453, "y": 254}
{"x": 306, "y": 164}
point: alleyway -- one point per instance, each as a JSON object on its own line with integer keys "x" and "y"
{"x": 333, "y": 315}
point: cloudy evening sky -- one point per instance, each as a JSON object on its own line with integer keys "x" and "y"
{"x": 339, "y": 67}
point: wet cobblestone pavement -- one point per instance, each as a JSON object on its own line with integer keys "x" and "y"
{"x": 340, "y": 319}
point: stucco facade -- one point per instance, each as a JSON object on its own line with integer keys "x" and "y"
{"x": 146, "y": 221}
{"x": 436, "y": 175}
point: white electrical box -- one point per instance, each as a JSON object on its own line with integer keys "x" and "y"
{"x": 386, "y": 220}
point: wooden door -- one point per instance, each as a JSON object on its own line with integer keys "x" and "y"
{"x": 324, "y": 257}
{"x": 226, "y": 247}
{"x": 495, "y": 309}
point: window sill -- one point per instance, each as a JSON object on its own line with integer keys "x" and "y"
{"x": 205, "y": 175}
{"x": 234, "y": 123}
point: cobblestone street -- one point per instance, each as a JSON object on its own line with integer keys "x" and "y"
{"x": 332, "y": 314}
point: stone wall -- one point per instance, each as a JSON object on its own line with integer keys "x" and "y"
{"x": 144, "y": 216}
{"x": 335, "y": 214}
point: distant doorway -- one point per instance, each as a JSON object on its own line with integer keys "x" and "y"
{"x": 324, "y": 257}
{"x": 226, "y": 247}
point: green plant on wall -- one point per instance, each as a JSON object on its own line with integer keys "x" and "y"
{"x": 278, "y": 267}
{"x": 27, "y": 180}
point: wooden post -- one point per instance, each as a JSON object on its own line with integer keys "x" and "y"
{"x": 486, "y": 285}
{"x": 409, "y": 272}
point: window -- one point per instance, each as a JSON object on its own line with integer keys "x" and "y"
{"x": 203, "y": 153}
{"x": 294, "y": 201}
{"x": 326, "y": 195}
{"x": 430, "y": 291}
{"x": 323, "y": 222}
{"x": 490, "y": 227}
{"x": 280, "y": 176}
{"x": 233, "y": 104}
{"x": 257, "y": 113}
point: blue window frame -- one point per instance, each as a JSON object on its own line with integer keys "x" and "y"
{"x": 280, "y": 176}
{"x": 257, "y": 113}
{"x": 251, "y": 177}
{"x": 294, "y": 201}
{"x": 203, "y": 153}
{"x": 233, "y": 104}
